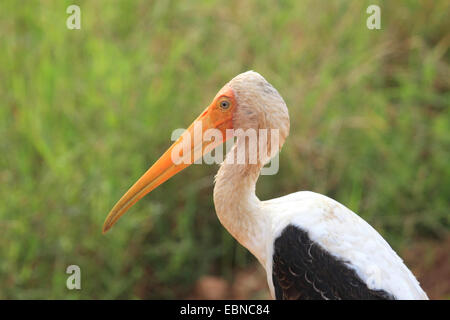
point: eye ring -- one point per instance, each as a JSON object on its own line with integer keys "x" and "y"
{"x": 224, "y": 104}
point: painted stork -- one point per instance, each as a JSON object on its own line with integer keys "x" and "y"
{"x": 311, "y": 246}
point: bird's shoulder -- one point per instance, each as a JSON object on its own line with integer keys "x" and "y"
{"x": 318, "y": 213}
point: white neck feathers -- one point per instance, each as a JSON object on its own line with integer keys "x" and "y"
{"x": 237, "y": 206}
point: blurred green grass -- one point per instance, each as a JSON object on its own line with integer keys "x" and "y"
{"x": 84, "y": 113}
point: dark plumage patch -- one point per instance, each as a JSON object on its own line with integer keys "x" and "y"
{"x": 303, "y": 270}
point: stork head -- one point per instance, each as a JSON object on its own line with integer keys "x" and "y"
{"x": 259, "y": 106}
{"x": 248, "y": 101}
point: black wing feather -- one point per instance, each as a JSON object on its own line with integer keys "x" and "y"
{"x": 302, "y": 269}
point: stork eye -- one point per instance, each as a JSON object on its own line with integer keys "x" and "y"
{"x": 224, "y": 104}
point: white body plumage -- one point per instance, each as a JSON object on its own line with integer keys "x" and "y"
{"x": 345, "y": 235}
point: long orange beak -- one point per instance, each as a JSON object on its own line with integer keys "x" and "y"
{"x": 188, "y": 148}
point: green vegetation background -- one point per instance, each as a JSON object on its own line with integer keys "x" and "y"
{"x": 84, "y": 113}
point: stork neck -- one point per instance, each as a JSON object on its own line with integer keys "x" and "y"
{"x": 237, "y": 206}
